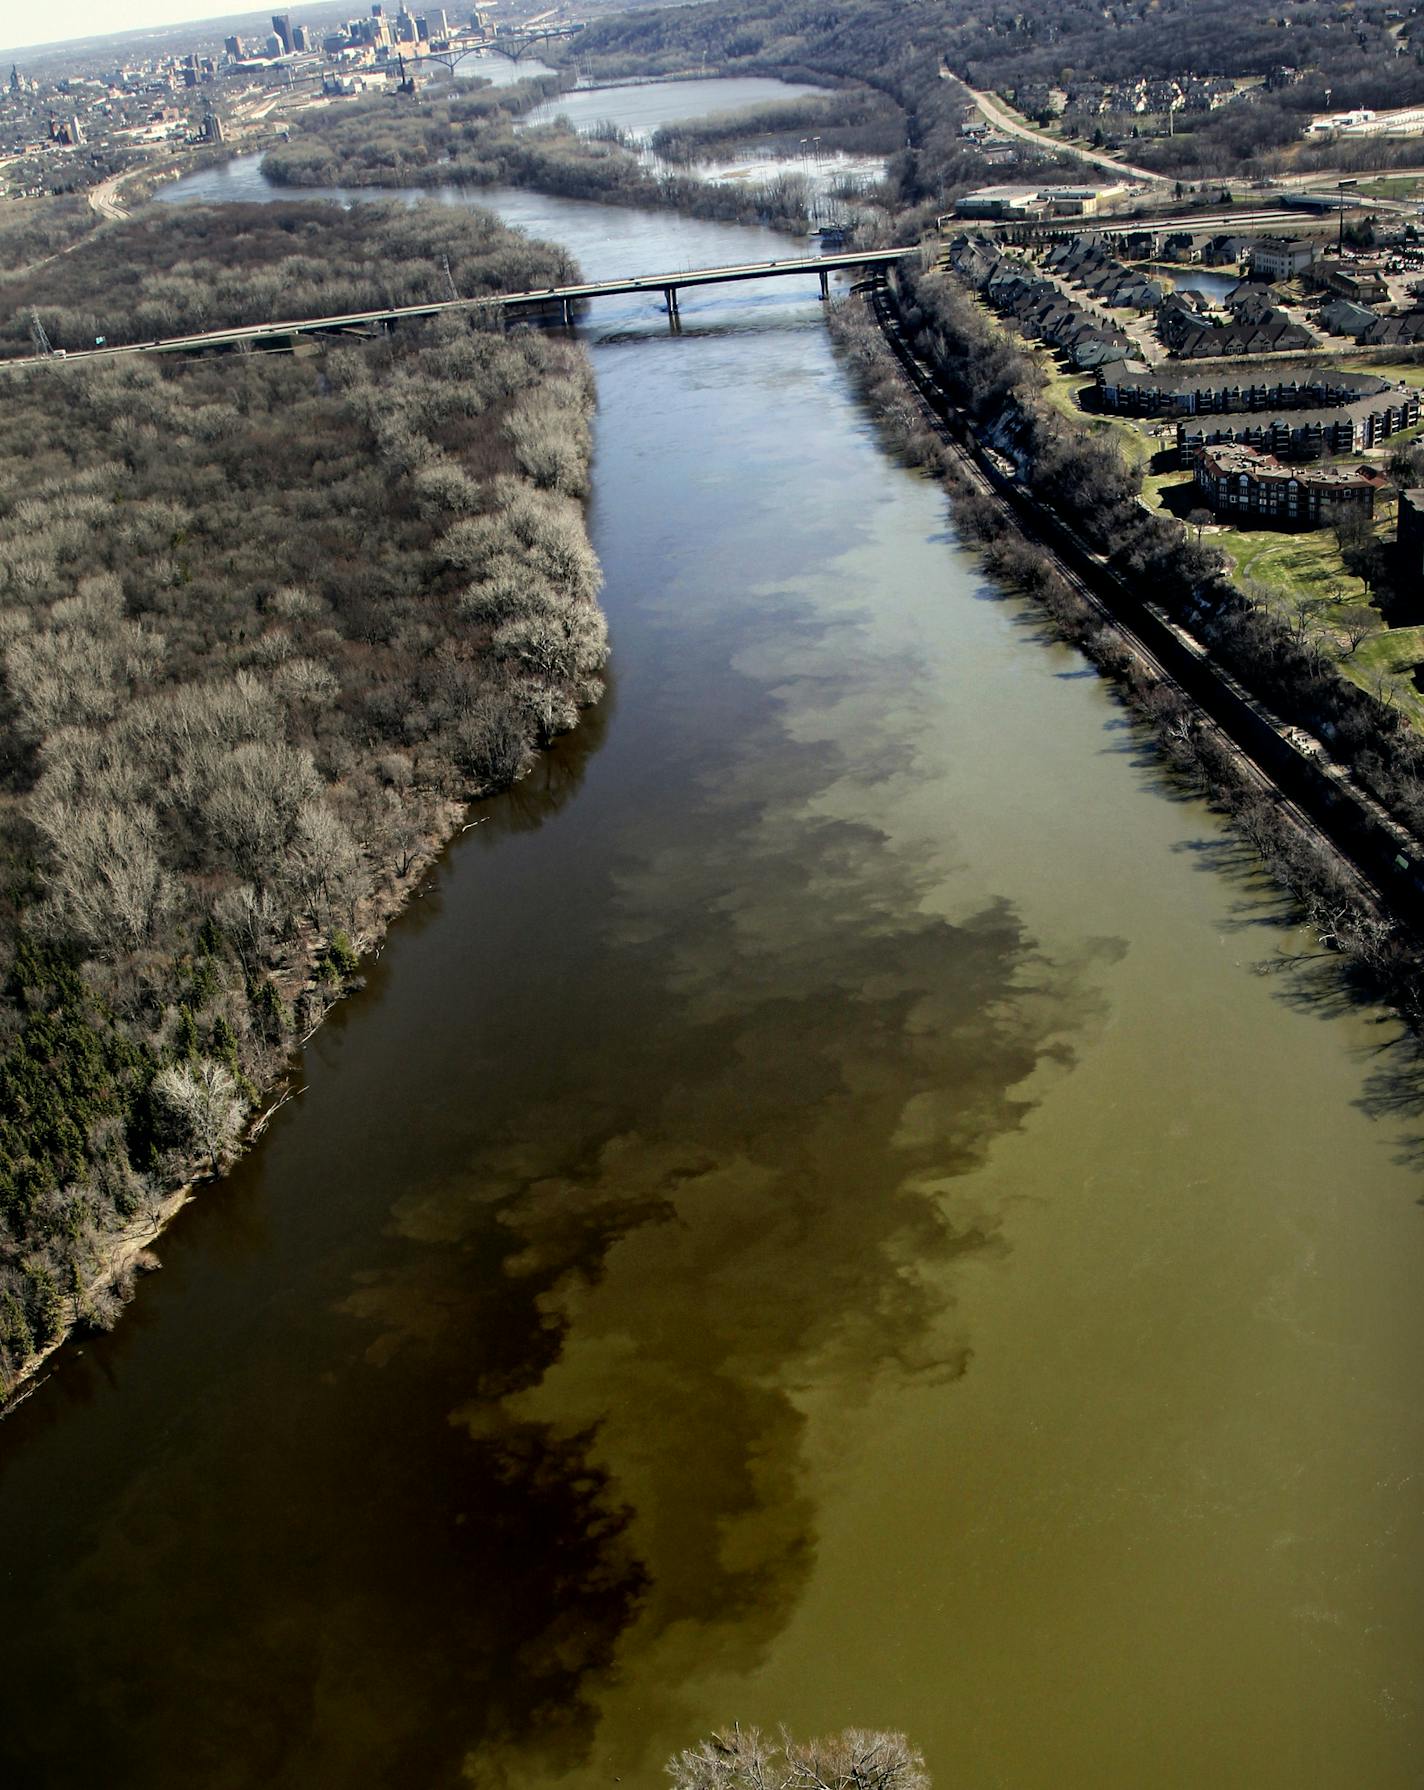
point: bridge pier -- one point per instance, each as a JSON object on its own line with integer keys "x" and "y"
{"x": 825, "y": 285}
{"x": 568, "y": 314}
{"x": 674, "y": 315}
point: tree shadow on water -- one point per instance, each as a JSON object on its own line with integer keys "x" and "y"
{"x": 1394, "y": 1092}
{"x": 1260, "y": 903}
{"x": 1327, "y": 984}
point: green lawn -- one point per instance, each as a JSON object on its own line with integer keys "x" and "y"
{"x": 1411, "y": 372}
{"x": 1285, "y": 569}
{"x": 1288, "y": 569}
{"x": 1386, "y": 186}
{"x": 1137, "y": 443}
{"x": 1290, "y": 566}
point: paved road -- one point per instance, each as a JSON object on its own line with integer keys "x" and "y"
{"x": 104, "y": 198}
{"x": 1008, "y": 121}
{"x": 1012, "y": 125}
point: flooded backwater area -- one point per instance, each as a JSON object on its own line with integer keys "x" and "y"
{"x": 846, "y": 1200}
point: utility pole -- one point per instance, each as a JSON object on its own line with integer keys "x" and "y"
{"x": 1340, "y": 186}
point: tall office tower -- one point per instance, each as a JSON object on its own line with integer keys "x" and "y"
{"x": 282, "y": 26}
{"x": 233, "y": 46}
{"x": 300, "y": 38}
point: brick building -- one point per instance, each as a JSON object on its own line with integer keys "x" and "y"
{"x": 1239, "y": 481}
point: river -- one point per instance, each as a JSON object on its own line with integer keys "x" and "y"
{"x": 846, "y": 1201}
{"x": 641, "y": 110}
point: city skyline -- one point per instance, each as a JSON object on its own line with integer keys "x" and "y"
{"x": 23, "y": 27}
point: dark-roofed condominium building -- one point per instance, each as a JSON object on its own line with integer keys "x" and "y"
{"x": 1351, "y": 428}
{"x": 1239, "y": 481}
{"x": 1297, "y": 411}
{"x": 1173, "y": 391}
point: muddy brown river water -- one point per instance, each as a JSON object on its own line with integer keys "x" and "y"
{"x": 839, "y": 1204}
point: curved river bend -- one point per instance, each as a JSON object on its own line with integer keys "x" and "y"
{"x": 840, "y": 1204}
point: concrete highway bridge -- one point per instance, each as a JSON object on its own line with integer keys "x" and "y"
{"x": 667, "y": 285}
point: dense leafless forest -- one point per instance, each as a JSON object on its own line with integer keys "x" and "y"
{"x": 32, "y": 230}
{"x": 392, "y": 142}
{"x": 856, "y": 121}
{"x": 176, "y": 269}
{"x": 1358, "y": 55}
{"x": 266, "y": 620}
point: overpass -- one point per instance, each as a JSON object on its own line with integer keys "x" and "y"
{"x": 666, "y": 285}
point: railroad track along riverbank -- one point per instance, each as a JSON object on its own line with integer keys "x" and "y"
{"x": 1380, "y": 863}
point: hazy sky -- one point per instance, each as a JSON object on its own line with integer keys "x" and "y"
{"x": 50, "y": 21}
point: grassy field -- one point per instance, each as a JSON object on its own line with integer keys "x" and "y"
{"x": 1137, "y": 442}
{"x": 1387, "y": 186}
{"x": 1411, "y": 372}
{"x": 1285, "y": 571}
{"x": 1062, "y": 389}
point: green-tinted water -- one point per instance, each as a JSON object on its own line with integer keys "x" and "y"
{"x": 820, "y": 1215}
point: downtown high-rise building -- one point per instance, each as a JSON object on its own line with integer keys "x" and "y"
{"x": 282, "y": 30}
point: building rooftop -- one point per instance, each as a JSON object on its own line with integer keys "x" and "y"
{"x": 1248, "y": 377}
{"x": 1232, "y": 457}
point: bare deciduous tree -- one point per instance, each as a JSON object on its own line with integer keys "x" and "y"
{"x": 856, "y": 1759}
{"x": 205, "y": 1101}
{"x": 323, "y": 863}
{"x": 251, "y": 918}
{"x": 1357, "y": 625}
{"x": 109, "y": 888}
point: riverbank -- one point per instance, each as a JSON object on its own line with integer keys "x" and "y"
{"x": 1338, "y": 854}
{"x": 97, "y": 1302}
{"x": 851, "y": 1045}
{"x": 481, "y": 141}
{"x": 268, "y": 724}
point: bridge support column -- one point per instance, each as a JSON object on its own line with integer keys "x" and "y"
{"x": 825, "y": 284}
{"x": 674, "y": 315}
{"x": 568, "y": 314}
